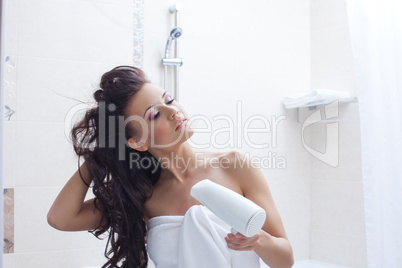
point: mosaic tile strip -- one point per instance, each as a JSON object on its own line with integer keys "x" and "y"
{"x": 8, "y": 195}
{"x": 138, "y": 33}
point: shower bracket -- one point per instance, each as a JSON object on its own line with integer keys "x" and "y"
{"x": 172, "y": 61}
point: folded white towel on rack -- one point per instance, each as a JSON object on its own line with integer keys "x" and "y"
{"x": 316, "y": 97}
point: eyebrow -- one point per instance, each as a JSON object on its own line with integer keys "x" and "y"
{"x": 153, "y": 104}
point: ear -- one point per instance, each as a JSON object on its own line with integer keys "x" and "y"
{"x": 137, "y": 145}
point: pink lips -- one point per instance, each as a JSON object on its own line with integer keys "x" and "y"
{"x": 179, "y": 125}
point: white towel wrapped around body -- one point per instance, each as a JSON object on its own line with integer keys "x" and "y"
{"x": 316, "y": 97}
{"x": 195, "y": 240}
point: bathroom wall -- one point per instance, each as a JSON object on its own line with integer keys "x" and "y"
{"x": 238, "y": 59}
{"x": 257, "y": 53}
{"x": 337, "y": 231}
{"x": 56, "y": 52}
{"x": 243, "y": 58}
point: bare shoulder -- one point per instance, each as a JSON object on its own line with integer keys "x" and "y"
{"x": 236, "y": 161}
{"x": 242, "y": 169}
{"x": 255, "y": 187}
{"x": 230, "y": 160}
{"x": 235, "y": 165}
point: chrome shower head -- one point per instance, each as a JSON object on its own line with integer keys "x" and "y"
{"x": 174, "y": 34}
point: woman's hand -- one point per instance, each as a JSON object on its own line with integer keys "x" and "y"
{"x": 241, "y": 242}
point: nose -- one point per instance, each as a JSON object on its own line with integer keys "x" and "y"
{"x": 174, "y": 112}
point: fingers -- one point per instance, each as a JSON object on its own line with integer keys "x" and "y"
{"x": 241, "y": 242}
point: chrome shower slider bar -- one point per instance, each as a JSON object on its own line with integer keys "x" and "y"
{"x": 174, "y": 61}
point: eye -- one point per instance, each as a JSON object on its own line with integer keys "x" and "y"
{"x": 170, "y": 101}
{"x": 155, "y": 115}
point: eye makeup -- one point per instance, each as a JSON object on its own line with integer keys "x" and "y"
{"x": 152, "y": 105}
{"x": 154, "y": 114}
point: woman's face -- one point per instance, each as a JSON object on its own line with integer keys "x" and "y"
{"x": 155, "y": 115}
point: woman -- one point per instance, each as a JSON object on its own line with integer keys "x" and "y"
{"x": 134, "y": 143}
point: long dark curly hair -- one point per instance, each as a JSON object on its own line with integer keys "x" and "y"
{"x": 121, "y": 189}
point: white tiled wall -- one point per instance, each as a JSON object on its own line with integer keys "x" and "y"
{"x": 337, "y": 210}
{"x": 255, "y": 52}
{"x": 258, "y": 52}
{"x": 57, "y": 51}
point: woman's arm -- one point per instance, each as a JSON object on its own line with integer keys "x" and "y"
{"x": 271, "y": 243}
{"x": 69, "y": 212}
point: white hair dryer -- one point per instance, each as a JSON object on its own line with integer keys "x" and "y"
{"x": 243, "y": 215}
